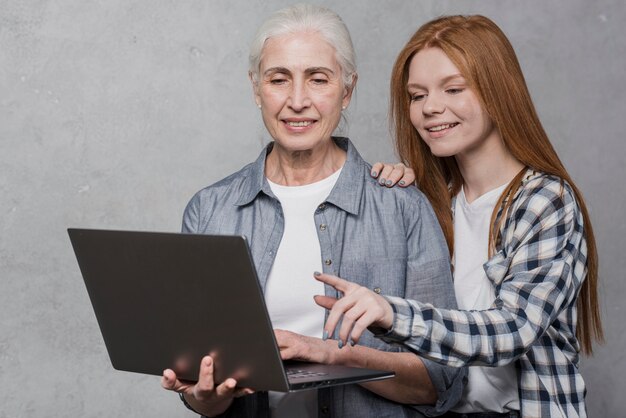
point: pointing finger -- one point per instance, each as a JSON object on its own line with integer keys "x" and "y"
{"x": 334, "y": 281}
{"x": 325, "y": 301}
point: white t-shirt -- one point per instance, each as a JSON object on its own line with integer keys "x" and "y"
{"x": 290, "y": 287}
{"x": 489, "y": 389}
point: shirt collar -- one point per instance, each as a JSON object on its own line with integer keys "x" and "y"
{"x": 346, "y": 194}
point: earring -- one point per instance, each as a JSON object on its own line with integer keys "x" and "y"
{"x": 343, "y": 108}
{"x": 258, "y": 105}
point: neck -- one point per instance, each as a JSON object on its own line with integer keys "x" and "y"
{"x": 297, "y": 168}
{"x": 488, "y": 168}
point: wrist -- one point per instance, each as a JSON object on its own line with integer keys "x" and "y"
{"x": 205, "y": 409}
{"x": 187, "y": 405}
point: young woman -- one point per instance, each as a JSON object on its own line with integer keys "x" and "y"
{"x": 524, "y": 255}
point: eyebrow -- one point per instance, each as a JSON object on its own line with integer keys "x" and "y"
{"x": 311, "y": 70}
{"x": 443, "y": 81}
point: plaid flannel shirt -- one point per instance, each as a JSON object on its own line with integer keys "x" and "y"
{"x": 537, "y": 273}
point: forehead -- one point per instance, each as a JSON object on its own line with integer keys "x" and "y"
{"x": 431, "y": 64}
{"x": 297, "y": 52}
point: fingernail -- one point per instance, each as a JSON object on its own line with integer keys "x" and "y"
{"x": 317, "y": 273}
{"x": 351, "y": 342}
{"x": 402, "y": 183}
{"x": 374, "y": 173}
{"x": 340, "y": 343}
{"x": 382, "y": 182}
{"x": 325, "y": 335}
{"x": 388, "y": 183}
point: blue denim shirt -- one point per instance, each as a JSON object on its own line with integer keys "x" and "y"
{"x": 388, "y": 240}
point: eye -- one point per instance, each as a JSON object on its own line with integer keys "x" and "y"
{"x": 319, "y": 79}
{"x": 455, "y": 90}
{"x": 416, "y": 97}
{"x": 278, "y": 81}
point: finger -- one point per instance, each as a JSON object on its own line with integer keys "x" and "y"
{"x": 395, "y": 175}
{"x": 287, "y": 352}
{"x": 168, "y": 380}
{"x": 282, "y": 338}
{"x": 336, "y": 313}
{"x": 358, "y": 329}
{"x": 239, "y": 392}
{"x": 376, "y": 168}
{"x": 334, "y": 281}
{"x": 226, "y": 389}
{"x": 348, "y": 321}
{"x": 384, "y": 174}
{"x": 206, "y": 382}
{"x": 408, "y": 177}
{"x": 360, "y": 326}
{"x": 326, "y": 302}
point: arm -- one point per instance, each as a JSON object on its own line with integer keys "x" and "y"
{"x": 427, "y": 273}
{"x": 538, "y": 279}
{"x": 411, "y": 384}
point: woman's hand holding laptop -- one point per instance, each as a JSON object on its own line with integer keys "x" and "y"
{"x": 204, "y": 396}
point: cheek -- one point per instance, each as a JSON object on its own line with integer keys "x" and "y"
{"x": 329, "y": 101}
{"x": 271, "y": 99}
{"x": 415, "y": 114}
{"x": 470, "y": 110}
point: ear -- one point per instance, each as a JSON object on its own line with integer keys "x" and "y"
{"x": 347, "y": 95}
{"x": 255, "y": 87}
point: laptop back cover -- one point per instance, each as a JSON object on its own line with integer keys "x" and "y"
{"x": 150, "y": 293}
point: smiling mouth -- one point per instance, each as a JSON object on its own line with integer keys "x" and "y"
{"x": 439, "y": 128}
{"x": 300, "y": 124}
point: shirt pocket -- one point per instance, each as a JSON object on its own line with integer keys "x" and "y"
{"x": 385, "y": 277}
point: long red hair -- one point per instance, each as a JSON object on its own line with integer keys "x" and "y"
{"x": 486, "y": 59}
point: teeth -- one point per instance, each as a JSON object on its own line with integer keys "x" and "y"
{"x": 441, "y": 127}
{"x": 299, "y": 124}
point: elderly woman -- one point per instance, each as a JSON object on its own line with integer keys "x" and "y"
{"x": 306, "y": 204}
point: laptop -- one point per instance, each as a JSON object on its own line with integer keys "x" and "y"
{"x": 165, "y": 300}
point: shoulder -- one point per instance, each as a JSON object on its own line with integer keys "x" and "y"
{"x": 222, "y": 188}
{"x": 544, "y": 194}
{"x": 410, "y": 197}
{"x": 386, "y": 199}
{"x": 544, "y": 208}
{"x": 212, "y": 199}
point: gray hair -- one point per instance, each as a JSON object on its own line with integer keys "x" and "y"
{"x": 307, "y": 18}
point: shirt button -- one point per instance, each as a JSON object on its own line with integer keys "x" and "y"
{"x": 322, "y": 206}
{"x": 328, "y": 262}
{"x": 323, "y": 227}
{"x": 377, "y": 290}
{"x": 325, "y": 410}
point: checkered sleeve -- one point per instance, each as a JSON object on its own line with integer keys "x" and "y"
{"x": 536, "y": 275}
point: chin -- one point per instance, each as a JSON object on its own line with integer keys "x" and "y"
{"x": 442, "y": 152}
{"x": 295, "y": 145}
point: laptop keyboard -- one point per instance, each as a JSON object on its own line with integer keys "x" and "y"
{"x": 297, "y": 373}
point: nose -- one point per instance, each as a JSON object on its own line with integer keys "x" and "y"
{"x": 299, "y": 98}
{"x": 433, "y": 104}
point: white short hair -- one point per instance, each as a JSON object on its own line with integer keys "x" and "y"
{"x": 307, "y": 18}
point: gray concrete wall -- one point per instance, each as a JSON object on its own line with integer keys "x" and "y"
{"x": 112, "y": 113}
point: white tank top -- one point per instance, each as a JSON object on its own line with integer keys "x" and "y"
{"x": 489, "y": 389}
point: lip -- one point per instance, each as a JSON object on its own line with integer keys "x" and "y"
{"x": 441, "y": 133}
{"x": 304, "y": 124}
